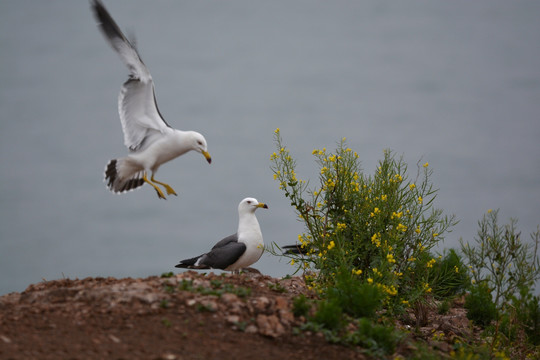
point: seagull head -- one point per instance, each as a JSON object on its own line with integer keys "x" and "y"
{"x": 198, "y": 143}
{"x": 249, "y": 205}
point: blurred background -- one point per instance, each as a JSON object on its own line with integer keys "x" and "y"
{"x": 452, "y": 83}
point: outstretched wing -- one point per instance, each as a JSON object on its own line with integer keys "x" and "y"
{"x": 137, "y": 106}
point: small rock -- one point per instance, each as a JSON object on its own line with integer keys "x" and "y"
{"x": 260, "y": 304}
{"x": 229, "y": 298}
{"x": 168, "y": 356}
{"x": 209, "y": 304}
{"x": 441, "y": 345}
{"x": 233, "y": 319}
{"x": 114, "y": 339}
{"x": 282, "y": 303}
{"x": 269, "y": 325}
{"x": 251, "y": 329}
{"x": 5, "y": 339}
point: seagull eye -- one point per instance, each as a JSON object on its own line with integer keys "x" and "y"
{"x": 249, "y": 202}
{"x": 199, "y": 142}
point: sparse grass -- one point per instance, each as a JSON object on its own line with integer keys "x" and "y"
{"x": 277, "y": 287}
{"x": 217, "y": 288}
{"x": 504, "y": 270}
{"x": 301, "y": 306}
{"x": 204, "y": 308}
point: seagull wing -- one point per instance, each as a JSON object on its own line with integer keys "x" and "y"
{"x": 224, "y": 253}
{"x": 139, "y": 113}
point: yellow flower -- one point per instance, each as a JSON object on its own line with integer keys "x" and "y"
{"x": 384, "y": 197}
{"x": 314, "y": 152}
{"x": 426, "y": 165}
{"x": 402, "y": 227}
{"x": 341, "y": 226}
{"x": 357, "y": 272}
{"x": 412, "y": 186}
{"x": 390, "y": 258}
{"x": 292, "y": 262}
{"x": 420, "y": 200}
{"x": 376, "y": 239}
{"x": 392, "y": 291}
{"x": 430, "y": 263}
{"x": 331, "y": 245}
{"x": 277, "y": 131}
{"x": 456, "y": 269}
{"x": 417, "y": 230}
{"x": 489, "y": 211}
{"x": 370, "y": 280}
{"x": 330, "y": 183}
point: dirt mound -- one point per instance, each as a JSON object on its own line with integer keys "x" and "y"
{"x": 184, "y": 316}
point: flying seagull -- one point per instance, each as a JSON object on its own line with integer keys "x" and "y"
{"x": 150, "y": 139}
{"x": 236, "y": 251}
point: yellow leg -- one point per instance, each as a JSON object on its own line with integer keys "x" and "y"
{"x": 159, "y": 192}
{"x": 167, "y": 187}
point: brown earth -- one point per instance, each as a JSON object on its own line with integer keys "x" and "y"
{"x": 186, "y": 316}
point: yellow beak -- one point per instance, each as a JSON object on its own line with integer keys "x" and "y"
{"x": 262, "y": 205}
{"x": 207, "y": 156}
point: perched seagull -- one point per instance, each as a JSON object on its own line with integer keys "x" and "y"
{"x": 149, "y": 138}
{"x": 236, "y": 251}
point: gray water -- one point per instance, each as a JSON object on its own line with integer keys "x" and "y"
{"x": 454, "y": 83}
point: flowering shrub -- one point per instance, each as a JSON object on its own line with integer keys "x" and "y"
{"x": 379, "y": 228}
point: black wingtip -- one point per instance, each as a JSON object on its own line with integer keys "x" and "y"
{"x": 105, "y": 21}
{"x": 293, "y": 249}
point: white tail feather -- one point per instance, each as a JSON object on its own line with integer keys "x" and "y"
{"x": 123, "y": 175}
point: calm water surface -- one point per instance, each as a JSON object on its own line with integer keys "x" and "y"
{"x": 456, "y": 84}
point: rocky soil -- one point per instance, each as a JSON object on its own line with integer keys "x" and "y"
{"x": 186, "y": 316}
